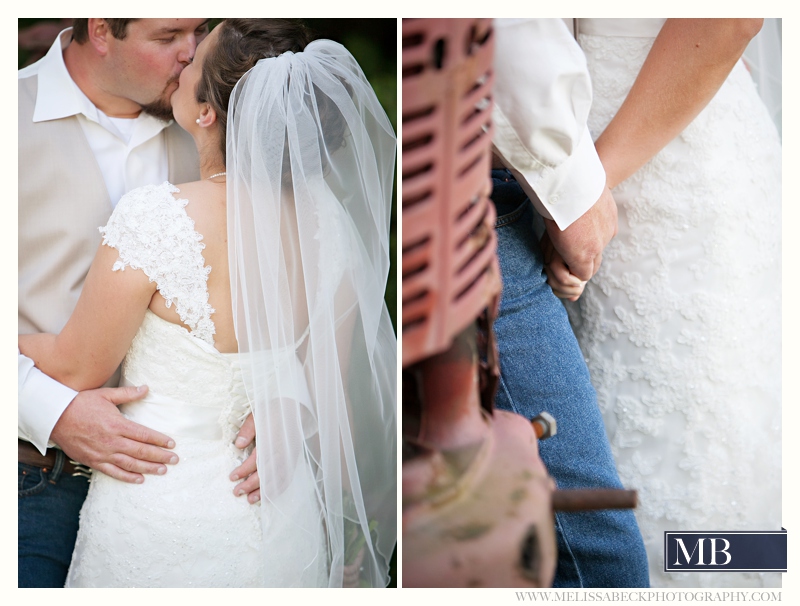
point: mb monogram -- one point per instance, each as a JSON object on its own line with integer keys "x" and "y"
{"x": 725, "y": 551}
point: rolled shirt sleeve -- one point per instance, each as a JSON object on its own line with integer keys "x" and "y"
{"x": 542, "y": 98}
{"x": 41, "y": 402}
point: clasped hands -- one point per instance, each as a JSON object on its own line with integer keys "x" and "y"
{"x": 573, "y": 256}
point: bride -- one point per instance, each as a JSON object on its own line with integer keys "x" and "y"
{"x": 256, "y": 289}
{"x": 681, "y": 325}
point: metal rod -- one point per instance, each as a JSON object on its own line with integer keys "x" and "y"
{"x": 588, "y": 499}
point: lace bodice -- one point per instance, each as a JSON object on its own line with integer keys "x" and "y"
{"x": 152, "y": 232}
{"x": 184, "y": 371}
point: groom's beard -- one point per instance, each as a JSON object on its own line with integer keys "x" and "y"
{"x": 161, "y": 108}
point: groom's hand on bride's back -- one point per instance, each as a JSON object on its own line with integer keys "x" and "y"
{"x": 92, "y": 431}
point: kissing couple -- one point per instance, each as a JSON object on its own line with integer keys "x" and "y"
{"x": 242, "y": 284}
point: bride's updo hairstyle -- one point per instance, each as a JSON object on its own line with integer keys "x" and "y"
{"x": 240, "y": 45}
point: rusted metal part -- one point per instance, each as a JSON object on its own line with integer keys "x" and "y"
{"x": 451, "y": 417}
{"x": 450, "y": 272}
{"x": 544, "y": 425}
{"x": 489, "y": 365}
{"x": 476, "y": 496}
{"x": 476, "y": 505}
{"x": 481, "y": 517}
{"x": 587, "y": 499}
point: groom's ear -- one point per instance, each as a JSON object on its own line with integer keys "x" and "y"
{"x": 207, "y": 116}
{"x": 99, "y": 32}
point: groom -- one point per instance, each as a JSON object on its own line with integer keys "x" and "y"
{"x": 94, "y": 122}
{"x": 546, "y": 159}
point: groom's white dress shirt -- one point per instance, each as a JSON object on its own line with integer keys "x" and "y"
{"x": 129, "y": 153}
{"x": 542, "y": 98}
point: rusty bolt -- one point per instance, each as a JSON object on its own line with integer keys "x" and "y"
{"x": 544, "y": 424}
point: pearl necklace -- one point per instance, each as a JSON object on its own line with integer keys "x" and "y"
{"x": 222, "y": 174}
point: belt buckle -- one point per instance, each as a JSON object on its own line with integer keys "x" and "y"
{"x": 81, "y": 470}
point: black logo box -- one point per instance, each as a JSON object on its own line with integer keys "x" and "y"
{"x": 745, "y": 551}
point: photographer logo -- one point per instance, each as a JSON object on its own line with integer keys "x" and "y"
{"x": 725, "y": 551}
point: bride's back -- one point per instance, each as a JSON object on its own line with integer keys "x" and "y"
{"x": 206, "y": 207}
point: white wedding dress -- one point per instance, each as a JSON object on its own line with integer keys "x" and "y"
{"x": 185, "y": 528}
{"x": 681, "y": 327}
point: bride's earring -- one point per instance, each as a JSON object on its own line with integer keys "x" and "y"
{"x": 207, "y": 117}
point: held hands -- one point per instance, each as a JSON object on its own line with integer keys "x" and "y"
{"x": 581, "y": 244}
{"x": 92, "y": 431}
{"x": 573, "y": 256}
{"x": 565, "y": 285}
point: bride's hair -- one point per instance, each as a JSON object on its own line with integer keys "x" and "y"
{"x": 240, "y": 45}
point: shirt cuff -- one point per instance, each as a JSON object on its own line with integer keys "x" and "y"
{"x": 42, "y": 401}
{"x": 565, "y": 192}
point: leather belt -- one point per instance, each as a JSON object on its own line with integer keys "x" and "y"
{"x": 30, "y": 455}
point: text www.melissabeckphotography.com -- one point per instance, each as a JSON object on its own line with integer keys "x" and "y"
{"x": 648, "y": 596}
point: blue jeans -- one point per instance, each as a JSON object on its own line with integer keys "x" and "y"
{"x": 47, "y": 515}
{"x": 542, "y": 369}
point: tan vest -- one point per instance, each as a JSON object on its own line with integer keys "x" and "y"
{"x": 62, "y": 201}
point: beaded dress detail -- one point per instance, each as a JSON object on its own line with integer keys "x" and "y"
{"x": 681, "y": 326}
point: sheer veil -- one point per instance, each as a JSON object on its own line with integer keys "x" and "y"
{"x": 764, "y": 60}
{"x": 310, "y": 163}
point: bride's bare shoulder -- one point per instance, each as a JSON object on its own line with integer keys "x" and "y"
{"x": 205, "y": 195}
{"x": 205, "y": 204}
{"x": 190, "y": 190}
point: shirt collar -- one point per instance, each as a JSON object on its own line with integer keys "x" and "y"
{"x": 59, "y": 97}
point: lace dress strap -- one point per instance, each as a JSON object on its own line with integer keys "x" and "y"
{"x": 152, "y": 232}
